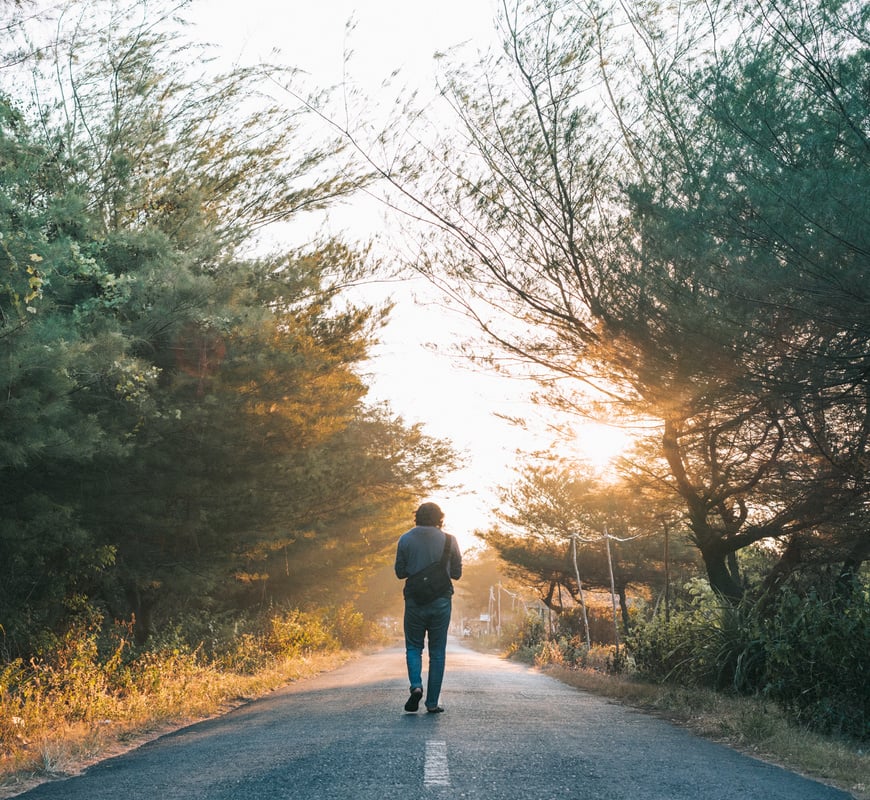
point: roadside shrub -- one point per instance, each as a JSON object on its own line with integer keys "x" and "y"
{"x": 295, "y": 633}
{"x": 92, "y": 683}
{"x": 247, "y": 655}
{"x": 529, "y": 642}
{"x": 246, "y": 645}
{"x": 600, "y": 619}
{"x": 350, "y": 628}
{"x": 163, "y": 678}
{"x": 659, "y": 648}
{"x": 805, "y": 651}
{"x": 684, "y": 649}
{"x": 815, "y": 652}
{"x": 15, "y": 688}
{"x": 213, "y": 635}
{"x": 525, "y": 642}
{"x": 548, "y": 653}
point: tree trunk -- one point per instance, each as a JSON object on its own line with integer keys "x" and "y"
{"x": 142, "y": 605}
{"x": 847, "y": 580}
{"x": 788, "y": 562}
{"x": 623, "y": 607}
{"x": 549, "y": 600}
{"x": 721, "y": 580}
{"x": 734, "y": 567}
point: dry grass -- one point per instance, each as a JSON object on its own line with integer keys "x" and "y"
{"x": 753, "y": 726}
{"x": 92, "y": 696}
{"x": 59, "y": 728}
{"x": 46, "y": 737}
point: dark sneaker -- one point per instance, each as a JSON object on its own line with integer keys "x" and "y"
{"x": 436, "y": 710}
{"x": 414, "y": 700}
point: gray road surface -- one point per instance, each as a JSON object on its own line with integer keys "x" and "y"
{"x": 508, "y": 732}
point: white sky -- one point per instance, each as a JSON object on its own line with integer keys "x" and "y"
{"x": 421, "y": 385}
{"x": 312, "y": 35}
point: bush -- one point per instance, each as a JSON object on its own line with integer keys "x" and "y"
{"x": 600, "y": 619}
{"x": 803, "y": 650}
{"x": 529, "y": 642}
{"x": 686, "y": 648}
{"x": 350, "y": 628}
{"x": 525, "y": 641}
{"x": 93, "y": 681}
{"x": 815, "y": 660}
{"x": 297, "y": 633}
{"x": 246, "y": 655}
{"x": 550, "y": 652}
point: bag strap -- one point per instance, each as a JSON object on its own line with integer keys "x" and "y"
{"x": 445, "y": 555}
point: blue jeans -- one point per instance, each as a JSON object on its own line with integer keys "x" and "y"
{"x": 432, "y": 619}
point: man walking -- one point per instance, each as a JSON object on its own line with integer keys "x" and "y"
{"x": 421, "y": 547}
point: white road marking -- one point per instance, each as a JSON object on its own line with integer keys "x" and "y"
{"x": 435, "y": 771}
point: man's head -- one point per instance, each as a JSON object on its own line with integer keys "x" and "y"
{"x": 429, "y": 514}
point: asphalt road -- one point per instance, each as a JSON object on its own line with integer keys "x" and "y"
{"x": 508, "y": 732}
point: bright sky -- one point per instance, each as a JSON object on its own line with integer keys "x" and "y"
{"x": 412, "y": 368}
{"x": 388, "y": 34}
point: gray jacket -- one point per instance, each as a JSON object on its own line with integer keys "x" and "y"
{"x": 422, "y": 545}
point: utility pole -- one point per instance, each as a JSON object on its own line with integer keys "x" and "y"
{"x": 580, "y": 589}
{"x": 612, "y": 590}
{"x": 667, "y": 573}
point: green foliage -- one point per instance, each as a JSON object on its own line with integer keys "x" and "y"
{"x": 548, "y": 506}
{"x": 804, "y": 651}
{"x": 685, "y": 647}
{"x": 183, "y": 432}
{"x": 690, "y": 242}
{"x": 248, "y": 643}
{"x": 298, "y": 633}
{"x": 814, "y": 655}
{"x": 599, "y": 616}
{"x": 525, "y": 640}
{"x": 350, "y": 627}
{"x": 532, "y": 632}
{"x": 531, "y": 643}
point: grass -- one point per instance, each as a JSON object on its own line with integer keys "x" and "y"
{"x": 47, "y": 742}
{"x": 754, "y": 726}
{"x": 93, "y": 696}
{"x": 64, "y": 716}
{"x": 750, "y": 725}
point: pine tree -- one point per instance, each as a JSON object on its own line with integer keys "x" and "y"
{"x": 183, "y": 427}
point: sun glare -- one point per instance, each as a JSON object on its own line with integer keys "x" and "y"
{"x": 601, "y": 444}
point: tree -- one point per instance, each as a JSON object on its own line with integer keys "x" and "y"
{"x": 769, "y": 170}
{"x": 47, "y": 559}
{"x": 556, "y": 525}
{"x": 664, "y": 223}
{"x": 183, "y": 422}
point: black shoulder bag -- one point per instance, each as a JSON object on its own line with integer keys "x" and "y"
{"x": 433, "y": 581}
